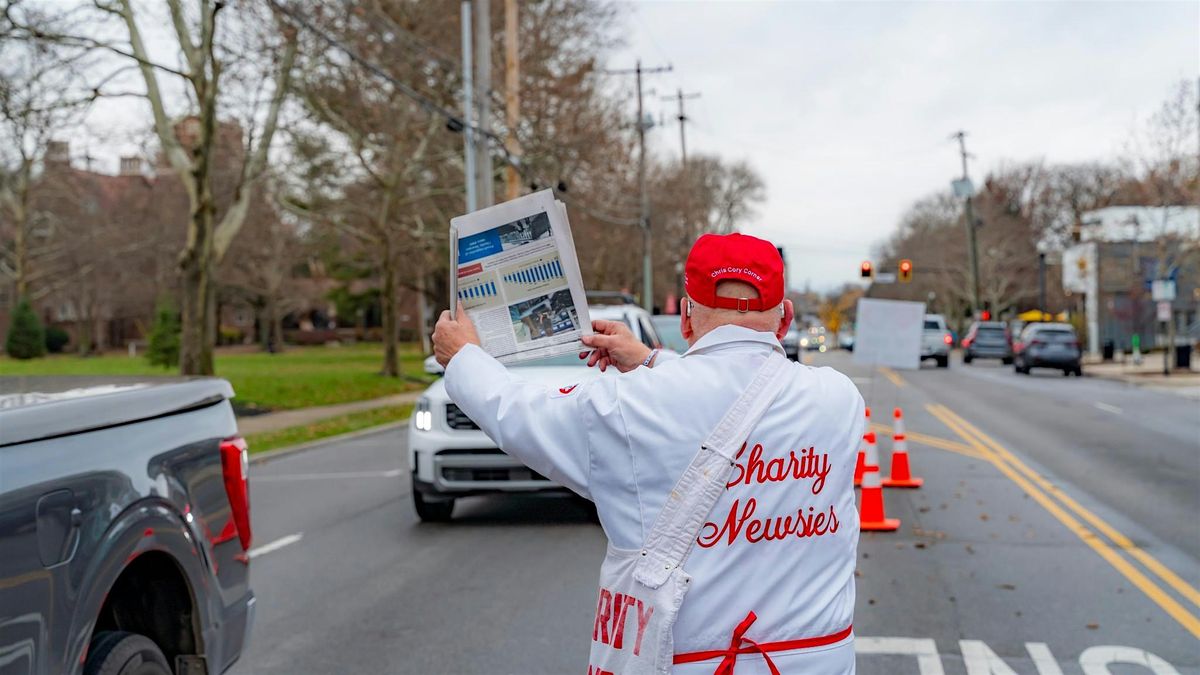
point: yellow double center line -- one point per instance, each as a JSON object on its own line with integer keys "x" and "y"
{"x": 1045, "y": 494}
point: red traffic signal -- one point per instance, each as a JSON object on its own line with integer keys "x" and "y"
{"x": 865, "y": 270}
{"x": 985, "y": 315}
{"x": 906, "y": 270}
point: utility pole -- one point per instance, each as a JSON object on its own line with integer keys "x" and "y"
{"x": 512, "y": 98}
{"x": 686, "y": 230}
{"x": 484, "y": 189}
{"x": 468, "y": 109}
{"x": 644, "y": 217}
{"x": 972, "y": 248}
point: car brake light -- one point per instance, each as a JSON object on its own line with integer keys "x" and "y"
{"x": 947, "y": 339}
{"x": 1036, "y": 343}
{"x": 235, "y": 467}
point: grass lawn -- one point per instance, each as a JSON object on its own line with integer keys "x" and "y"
{"x": 332, "y": 426}
{"x": 299, "y": 377}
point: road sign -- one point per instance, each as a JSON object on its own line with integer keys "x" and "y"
{"x": 1162, "y": 290}
{"x": 885, "y": 277}
{"x": 1164, "y": 310}
{"x": 888, "y": 333}
{"x": 962, "y": 187}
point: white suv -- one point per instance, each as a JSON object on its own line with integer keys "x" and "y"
{"x": 936, "y": 340}
{"x": 450, "y": 457}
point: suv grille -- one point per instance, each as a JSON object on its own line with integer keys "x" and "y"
{"x": 457, "y": 419}
{"x": 497, "y": 475}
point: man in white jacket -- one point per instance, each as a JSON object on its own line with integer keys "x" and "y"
{"x": 772, "y": 569}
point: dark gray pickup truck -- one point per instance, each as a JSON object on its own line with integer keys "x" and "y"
{"x": 124, "y": 528}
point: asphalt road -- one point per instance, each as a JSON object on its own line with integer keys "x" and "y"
{"x": 1057, "y": 530}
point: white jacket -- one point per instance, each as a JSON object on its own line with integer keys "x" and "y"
{"x": 624, "y": 441}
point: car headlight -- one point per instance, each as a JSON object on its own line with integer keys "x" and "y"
{"x": 803, "y": 342}
{"x": 422, "y": 415}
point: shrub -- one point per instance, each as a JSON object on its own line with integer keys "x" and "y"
{"x": 56, "y": 339}
{"x": 163, "y": 347}
{"x": 26, "y": 339}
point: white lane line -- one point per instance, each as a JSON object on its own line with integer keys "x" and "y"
{"x": 325, "y": 476}
{"x": 1108, "y": 408}
{"x": 275, "y": 545}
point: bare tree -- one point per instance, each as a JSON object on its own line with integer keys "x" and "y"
{"x": 210, "y": 50}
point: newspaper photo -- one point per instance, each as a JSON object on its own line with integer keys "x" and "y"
{"x": 516, "y": 274}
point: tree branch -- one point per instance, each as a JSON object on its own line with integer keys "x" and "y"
{"x": 236, "y": 215}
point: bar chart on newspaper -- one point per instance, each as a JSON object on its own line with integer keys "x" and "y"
{"x": 517, "y": 276}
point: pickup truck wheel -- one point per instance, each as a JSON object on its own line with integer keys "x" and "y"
{"x": 121, "y": 653}
{"x": 967, "y": 358}
{"x": 1007, "y": 360}
{"x": 432, "y": 511}
{"x": 943, "y": 362}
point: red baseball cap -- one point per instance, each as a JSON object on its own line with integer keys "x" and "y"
{"x": 736, "y": 257}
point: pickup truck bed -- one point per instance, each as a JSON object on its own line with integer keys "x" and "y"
{"x": 124, "y": 516}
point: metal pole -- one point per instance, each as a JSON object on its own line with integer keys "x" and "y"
{"x": 1042, "y": 283}
{"x": 972, "y": 247}
{"x": 685, "y": 235}
{"x": 485, "y": 189}
{"x": 468, "y": 108}
{"x": 647, "y": 266}
{"x": 512, "y": 100}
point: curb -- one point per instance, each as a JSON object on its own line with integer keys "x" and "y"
{"x": 277, "y": 453}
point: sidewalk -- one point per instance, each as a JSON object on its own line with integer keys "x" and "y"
{"x": 1148, "y": 374}
{"x": 254, "y": 424}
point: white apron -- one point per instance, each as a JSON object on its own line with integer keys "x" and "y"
{"x": 641, "y": 590}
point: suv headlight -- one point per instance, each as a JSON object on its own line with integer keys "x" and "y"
{"x": 423, "y": 415}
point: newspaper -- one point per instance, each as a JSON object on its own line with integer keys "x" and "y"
{"x": 515, "y": 272}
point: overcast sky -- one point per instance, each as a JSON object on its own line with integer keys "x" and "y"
{"x": 846, "y": 109}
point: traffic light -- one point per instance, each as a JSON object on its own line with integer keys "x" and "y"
{"x": 985, "y": 315}
{"x": 905, "y": 271}
{"x": 865, "y": 271}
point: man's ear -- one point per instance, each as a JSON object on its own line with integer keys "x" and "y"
{"x": 785, "y": 321}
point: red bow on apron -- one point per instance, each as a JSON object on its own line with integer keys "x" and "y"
{"x": 729, "y": 656}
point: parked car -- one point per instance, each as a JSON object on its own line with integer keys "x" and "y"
{"x": 1048, "y": 345}
{"x": 124, "y": 528}
{"x": 846, "y": 340}
{"x": 791, "y": 343}
{"x": 670, "y": 332}
{"x": 936, "y": 340}
{"x": 988, "y": 340}
{"x": 451, "y": 457}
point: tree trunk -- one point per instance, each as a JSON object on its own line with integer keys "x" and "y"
{"x": 195, "y": 352}
{"x": 422, "y": 308}
{"x": 391, "y": 357}
{"x": 276, "y": 327}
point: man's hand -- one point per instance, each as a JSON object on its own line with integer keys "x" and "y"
{"x": 451, "y": 335}
{"x": 613, "y": 344}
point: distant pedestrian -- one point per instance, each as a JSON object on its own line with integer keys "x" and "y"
{"x": 723, "y": 478}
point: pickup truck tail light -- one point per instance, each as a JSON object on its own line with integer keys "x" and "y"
{"x": 947, "y": 339}
{"x": 235, "y": 466}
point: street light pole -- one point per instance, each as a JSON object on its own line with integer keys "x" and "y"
{"x": 468, "y": 108}
{"x": 1042, "y": 282}
{"x": 972, "y": 248}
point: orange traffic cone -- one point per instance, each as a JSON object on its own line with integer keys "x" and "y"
{"x": 861, "y": 462}
{"x": 901, "y": 475}
{"x": 871, "y": 515}
{"x": 868, "y": 457}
